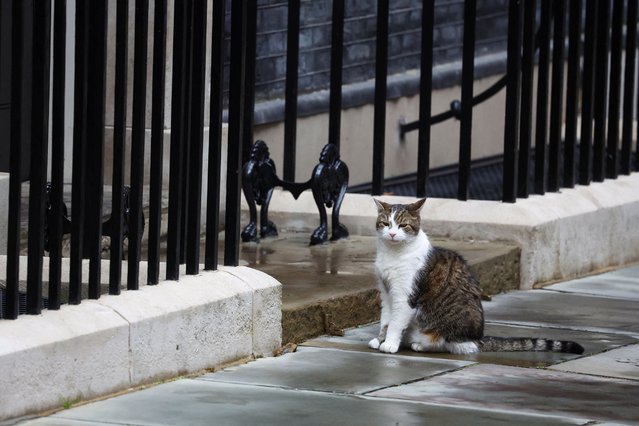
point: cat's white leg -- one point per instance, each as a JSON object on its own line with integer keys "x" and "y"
{"x": 401, "y": 316}
{"x": 462, "y": 348}
{"x": 423, "y": 342}
{"x": 385, "y": 319}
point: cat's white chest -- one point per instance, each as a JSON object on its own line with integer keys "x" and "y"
{"x": 397, "y": 266}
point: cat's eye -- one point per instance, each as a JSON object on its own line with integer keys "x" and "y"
{"x": 383, "y": 223}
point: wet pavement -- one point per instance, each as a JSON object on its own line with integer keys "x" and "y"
{"x": 339, "y": 381}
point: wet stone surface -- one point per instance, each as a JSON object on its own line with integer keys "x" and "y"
{"x": 356, "y": 339}
{"x": 615, "y": 285}
{"x": 201, "y": 402}
{"x": 622, "y": 363}
{"x": 526, "y": 390}
{"x": 565, "y": 310}
{"x": 335, "y": 371}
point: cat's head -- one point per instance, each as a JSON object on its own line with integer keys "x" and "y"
{"x": 398, "y": 223}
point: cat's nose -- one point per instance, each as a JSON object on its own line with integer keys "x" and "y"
{"x": 392, "y": 234}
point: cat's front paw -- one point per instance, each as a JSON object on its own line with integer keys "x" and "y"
{"x": 389, "y": 347}
{"x": 374, "y": 343}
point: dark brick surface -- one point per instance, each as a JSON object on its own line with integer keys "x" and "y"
{"x": 359, "y": 39}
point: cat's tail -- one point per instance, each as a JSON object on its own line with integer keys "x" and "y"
{"x": 516, "y": 344}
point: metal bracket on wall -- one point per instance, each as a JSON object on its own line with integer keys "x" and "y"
{"x": 328, "y": 182}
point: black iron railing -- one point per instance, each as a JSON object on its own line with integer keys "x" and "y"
{"x": 583, "y": 124}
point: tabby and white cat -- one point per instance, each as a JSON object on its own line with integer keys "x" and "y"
{"x": 431, "y": 302}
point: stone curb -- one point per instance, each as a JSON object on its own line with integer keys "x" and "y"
{"x": 116, "y": 342}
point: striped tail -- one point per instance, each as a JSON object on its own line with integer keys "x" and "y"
{"x": 519, "y": 344}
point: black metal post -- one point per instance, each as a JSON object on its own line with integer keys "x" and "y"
{"x": 197, "y": 129}
{"x": 57, "y": 153}
{"x": 616, "y": 44}
{"x": 572, "y": 91}
{"x": 249, "y": 84}
{"x": 96, "y": 77}
{"x": 41, "y": 21}
{"x": 513, "y": 96}
{"x": 337, "y": 50}
{"x": 136, "y": 225}
{"x": 556, "y": 94}
{"x": 186, "y": 128}
{"x": 80, "y": 105}
{"x": 466, "y": 121}
{"x": 379, "y": 120}
{"x": 290, "y": 106}
{"x": 157, "y": 139}
{"x": 425, "y": 96}
{"x": 527, "y": 71}
{"x": 119, "y": 141}
{"x": 215, "y": 137}
{"x": 15, "y": 165}
{"x": 178, "y": 104}
{"x": 629, "y": 87}
{"x": 588, "y": 93}
{"x": 236, "y": 129}
{"x": 541, "y": 126}
{"x": 601, "y": 91}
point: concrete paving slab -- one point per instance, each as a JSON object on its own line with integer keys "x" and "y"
{"x": 200, "y": 402}
{"x": 544, "y": 308}
{"x": 334, "y": 370}
{"x": 527, "y": 391}
{"x": 622, "y": 363}
{"x": 356, "y": 339}
{"x": 606, "y": 285}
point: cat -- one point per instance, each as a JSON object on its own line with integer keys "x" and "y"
{"x": 431, "y": 302}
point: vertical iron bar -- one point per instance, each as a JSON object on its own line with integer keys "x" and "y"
{"x": 381, "y": 72}
{"x": 215, "y": 137}
{"x": 337, "y": 50}
{"x": 601, "y": 92}
{"x": 138, "y": 108}
{"x": 572, "y": 92}
{"x": 119, "y": 141}
{"x": 41, "y": 21}
{"x": 178, "y": 100}
{"x": 629, "y": 88}
{"x": 236, "y": 129}
{"x": 15, "y": 165}
{"x": 513, "y": 94}
{"x": 588, "y": 93}
{"x": 57, "y": 153}
{"x": 79, "y": 149}
{"x": 157, "y": 140}
{"x": 186, "y": 128}
{"x": 556, "y": 94}
{"x": 612, "y": 167}
{"x": 527, "y": 71}
{"x": 197, "y": 129}
{"x": 425, "y": 96}
{"x": 249, "y": 84}
{"x": 541, "y": 126}
{"x": 290, "y": 108}
{"x": 96, "y": 92}
{"x": 466, "y": 122}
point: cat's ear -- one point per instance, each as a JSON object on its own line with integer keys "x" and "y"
{"x": 416, "y": 206}
{"x": 381, "y": 206}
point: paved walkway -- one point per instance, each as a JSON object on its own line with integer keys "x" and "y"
{"x": 338, "y": 381}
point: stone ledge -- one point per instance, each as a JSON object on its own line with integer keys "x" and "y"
{"x": 117, "y": 342}
{"x": 561, "y": 235}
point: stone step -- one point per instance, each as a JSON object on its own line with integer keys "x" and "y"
{"x": 328, "y": 288}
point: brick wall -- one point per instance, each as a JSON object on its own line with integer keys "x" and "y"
{"x": 359, "y": 40}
